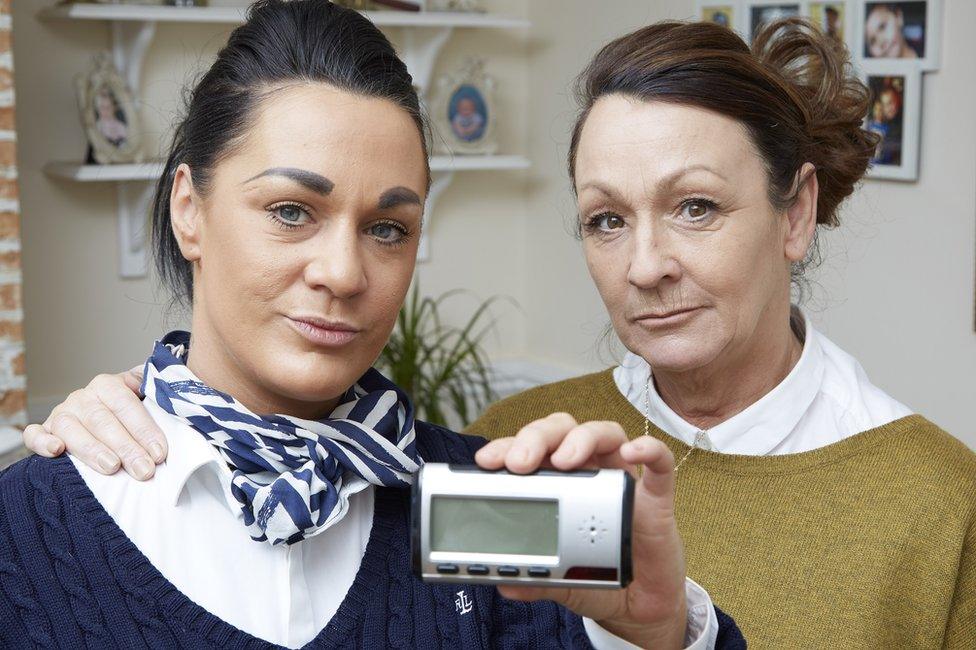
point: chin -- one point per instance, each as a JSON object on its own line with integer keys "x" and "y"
{"x": 674, "y": 353}
{"x": 304, "y": 379}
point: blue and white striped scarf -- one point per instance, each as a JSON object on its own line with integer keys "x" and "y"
{"x": 292, "y": 477}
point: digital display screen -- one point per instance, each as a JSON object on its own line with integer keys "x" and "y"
{"x": 512, "y": 526}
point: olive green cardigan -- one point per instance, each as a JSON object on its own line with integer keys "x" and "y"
{"x": 866, "y": 543}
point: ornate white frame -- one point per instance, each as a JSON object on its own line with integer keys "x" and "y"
{"x": 471, "y": 73}
{"x": 103, "y": 73}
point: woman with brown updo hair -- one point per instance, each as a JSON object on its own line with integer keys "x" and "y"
{"x": 818, "y": 510}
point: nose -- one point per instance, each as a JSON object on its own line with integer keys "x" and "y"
{"x": 336, "y": 262}
{"x": 652, "y": 258}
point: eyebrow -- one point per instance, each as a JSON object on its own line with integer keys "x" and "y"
{"x": 315, "y": 182}
{"x": 397, "y": 196}
{"x": 668, "y": 181}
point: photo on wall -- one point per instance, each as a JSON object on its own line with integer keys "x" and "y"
{"x": 727, "y": 13}
{"x": 902, "y": 30}
{"x": 831, "y": 18}
{"x": 762, "y": 12}
{"x": 894, "y": 114}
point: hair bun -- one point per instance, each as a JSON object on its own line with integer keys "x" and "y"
{"x": 816, "y": 71}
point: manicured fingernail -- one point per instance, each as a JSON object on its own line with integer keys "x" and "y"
{"x": 143, "y": 467}
{"x": 54, "y": 448}
{"x": 107, "y": 462}
{"x": 156, "y": 449}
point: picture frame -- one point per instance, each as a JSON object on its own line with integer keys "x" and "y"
{"x": 759, "y": 12}
{"x": 824, "y": 14}
{"x": 918, "y": 39}
{"x": 464, "y": 110}
{"x": 108, "y": 114}
{"x": 730, "y": 13}
{"x": 895, "y": 113}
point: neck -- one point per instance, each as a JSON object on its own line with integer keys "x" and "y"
{"x": 708, "y": 396}
{"x": 215, "y": 365}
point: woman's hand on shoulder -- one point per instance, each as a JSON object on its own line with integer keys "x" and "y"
{"x": 651, "y": 611}
{"x": 105, "y": 425}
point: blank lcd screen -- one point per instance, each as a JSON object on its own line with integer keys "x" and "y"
{"x": 513, "y": 526}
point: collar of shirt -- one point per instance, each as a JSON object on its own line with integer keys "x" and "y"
{"x": 191, "y": 455}
{"x": 759, "y": 428}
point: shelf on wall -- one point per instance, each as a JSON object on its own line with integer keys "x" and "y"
{"x": 234, "y": 15}
{"x": 150, "y": 171}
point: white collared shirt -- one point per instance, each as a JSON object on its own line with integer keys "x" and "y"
{"x": 189, "y": 526}
{"x": 825, "y": 398}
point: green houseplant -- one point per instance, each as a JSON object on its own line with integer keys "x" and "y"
{"x": 443, "y": 368}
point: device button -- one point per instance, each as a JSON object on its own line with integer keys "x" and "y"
{"x": 447, "y": 568}
{"x": 507, "y": 571}
{"x": 538, "y": 572}
{"x": 478, "y": 570}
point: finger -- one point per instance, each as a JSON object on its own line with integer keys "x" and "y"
{"x": 102, "y": 424}
{"x": 129, "y": 410}
{"x": 536, "y": 440}
{"x": 133, "y": 379}
{"x": 82, "y": 444}
{"x": 42, "y": 443}
{"x": 658, "y": 462}
{"x": 585, "y": 442}
{"x": 492, "y": 455}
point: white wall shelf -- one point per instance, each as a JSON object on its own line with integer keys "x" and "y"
{"x": 150, "y": 171}
{"x": 133, "y": 29}
{"x": 235, "y": 15}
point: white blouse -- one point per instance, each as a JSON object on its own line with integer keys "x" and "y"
{"x": 186, "y": 511}
{"x": 825, "y": 398}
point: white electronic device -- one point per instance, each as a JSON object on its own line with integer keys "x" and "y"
{"x": 548, "y": 528}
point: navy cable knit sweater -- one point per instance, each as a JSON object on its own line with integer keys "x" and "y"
{"x": 70, "y": 578}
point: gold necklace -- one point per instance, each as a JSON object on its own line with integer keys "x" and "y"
{"x": 699, "y": 437}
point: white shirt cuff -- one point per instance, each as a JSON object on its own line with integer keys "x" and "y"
{"x": 701, "y": 633}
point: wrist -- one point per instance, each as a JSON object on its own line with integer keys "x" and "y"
{"x": 667, "y": 634}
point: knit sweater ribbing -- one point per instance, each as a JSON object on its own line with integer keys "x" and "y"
{"x": 866, "y": 543}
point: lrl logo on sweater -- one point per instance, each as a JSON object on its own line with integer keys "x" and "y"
{"x": 463, "y": 604}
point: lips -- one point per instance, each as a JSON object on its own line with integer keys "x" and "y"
{"x": 323, "y": 332}
{"x": 668, "y": 319}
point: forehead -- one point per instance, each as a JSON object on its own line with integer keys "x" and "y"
{"x": 649, "y": 141}
{"x": 344, "y": 136}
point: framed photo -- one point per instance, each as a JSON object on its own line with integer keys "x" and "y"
{"x": 108, "y": 114}
{"x": 900, "y": 30}
{"x": 464, "y": 110}
{"x": 835, "y": 19}
{"x": 728, "y": 14}
{"x": 894, "y": 114}
{"x": 760, "y": 12}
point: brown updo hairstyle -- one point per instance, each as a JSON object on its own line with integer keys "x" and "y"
{"x": 793, "y": 91}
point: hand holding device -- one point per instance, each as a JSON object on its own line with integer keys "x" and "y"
{"x": 651, "y": 611}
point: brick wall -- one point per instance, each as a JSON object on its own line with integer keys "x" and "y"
{"x": 13, "y": 382}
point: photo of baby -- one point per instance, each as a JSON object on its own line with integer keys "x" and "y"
{"x": 886, "y": 117}
{"x": 467, "y": 113}
{"x": 895, "y": 30}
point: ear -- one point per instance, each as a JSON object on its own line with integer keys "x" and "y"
{"x": 185, "y": 213}
{"x": 801, "y": 217}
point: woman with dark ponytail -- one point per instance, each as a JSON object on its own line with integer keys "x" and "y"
{"x": 288, "y": 217}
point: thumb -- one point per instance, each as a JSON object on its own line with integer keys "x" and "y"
{"x": 133, "y": 379}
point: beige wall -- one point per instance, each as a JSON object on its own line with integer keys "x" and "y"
{"x": 896, "y": 289}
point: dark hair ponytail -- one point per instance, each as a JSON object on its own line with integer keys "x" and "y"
{"x": 282, "y": 41}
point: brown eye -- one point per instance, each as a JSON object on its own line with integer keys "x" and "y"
{"x": 609, "y": 222}
{"x": 696, "y": 210}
